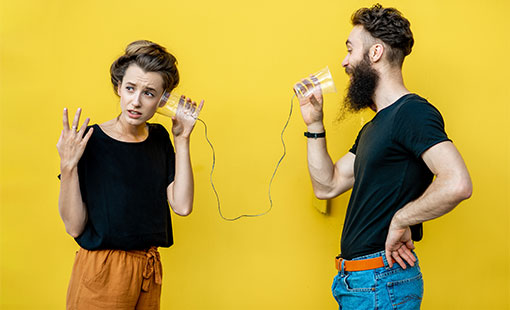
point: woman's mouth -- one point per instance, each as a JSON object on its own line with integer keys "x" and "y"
{"x": 134, "y": 114}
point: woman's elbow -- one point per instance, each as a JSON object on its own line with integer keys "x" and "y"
{"x": 183, "y": 210}
{"x": 74, "y": 232}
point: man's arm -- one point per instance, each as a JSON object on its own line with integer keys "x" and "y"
{"x": 328, "y": 180}
{"x": 451, "y": 185}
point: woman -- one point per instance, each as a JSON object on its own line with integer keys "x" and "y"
{"x": 117, "y": 179}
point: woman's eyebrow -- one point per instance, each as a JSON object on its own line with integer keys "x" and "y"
{"x": 147, "y": 87}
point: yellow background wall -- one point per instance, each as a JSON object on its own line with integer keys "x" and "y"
{"x": 243, "y": 57}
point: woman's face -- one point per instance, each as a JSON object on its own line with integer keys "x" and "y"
{"x": 139, "y": 93}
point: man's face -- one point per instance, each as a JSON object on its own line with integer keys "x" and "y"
{"x": 363, "y": 77}
{"x": 355, "y": 48}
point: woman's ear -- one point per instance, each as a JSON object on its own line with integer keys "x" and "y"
{"x": 119, "y": 84}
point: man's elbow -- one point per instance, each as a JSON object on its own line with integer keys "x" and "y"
{"x": 463, "y": 189}
{"x": 324, "y": 195}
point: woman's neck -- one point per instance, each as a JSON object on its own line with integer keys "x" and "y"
{"x": 122, "y": 131}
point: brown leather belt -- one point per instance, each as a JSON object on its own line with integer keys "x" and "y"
{"x": 359, "y": 265}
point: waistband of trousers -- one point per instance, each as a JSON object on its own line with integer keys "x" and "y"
{"x": 151, "y": 264}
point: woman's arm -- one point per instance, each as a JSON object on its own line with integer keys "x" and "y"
{"x": 71, "y": 146}
{"x": 180, "y": 191}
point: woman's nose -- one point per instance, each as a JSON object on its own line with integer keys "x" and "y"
{"x": 138, "y": 100}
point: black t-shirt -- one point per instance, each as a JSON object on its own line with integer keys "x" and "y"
{"x": 389, "y": 171}
{"x": 124, "y": 187}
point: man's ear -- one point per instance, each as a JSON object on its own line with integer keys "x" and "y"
{"x": 376, "y": 52}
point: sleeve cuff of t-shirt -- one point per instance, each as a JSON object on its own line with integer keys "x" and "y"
{"x": 428, "y": 146}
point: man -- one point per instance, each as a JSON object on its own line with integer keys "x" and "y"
{"x": 390, "y": 168}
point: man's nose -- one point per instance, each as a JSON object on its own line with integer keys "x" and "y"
{"x": 345, "y": 62}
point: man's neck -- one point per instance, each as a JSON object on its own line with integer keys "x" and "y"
{"x": 389, "y": 89}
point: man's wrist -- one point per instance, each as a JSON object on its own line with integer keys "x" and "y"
{"x": 315, "y": 135}
{"x": 316, "y": 127}
{"x": 397, "y": 221}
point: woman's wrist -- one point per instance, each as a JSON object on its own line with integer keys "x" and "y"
{"x": 68, "y": 170}
{"x": 181, "y": 140}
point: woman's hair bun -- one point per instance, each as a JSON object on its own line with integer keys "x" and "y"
{"x": 149, "y": 56}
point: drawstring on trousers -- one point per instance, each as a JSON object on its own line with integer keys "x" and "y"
{"x": 152, "y": 266}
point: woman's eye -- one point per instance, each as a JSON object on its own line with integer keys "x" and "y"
{"x": 149, "y": 94}
{"x": 130, "y": 88}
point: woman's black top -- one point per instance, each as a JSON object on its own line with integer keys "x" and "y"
{"x": 123, "y": 185}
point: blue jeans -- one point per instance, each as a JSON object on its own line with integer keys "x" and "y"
{"x": 381, "y": 288}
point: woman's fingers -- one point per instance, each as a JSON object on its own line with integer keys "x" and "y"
{"x": 189, "y": 107}
{"x": 84, "y": 127}
{"x": 76, "y": 119}
{"x": 180, "y": 105}
{"x": 74, "y": 127}
{"x": 88, "y": 135}
{"x": 193, "y": 107}
{"x": 65, "y": 120}
{"x": 199, "y": 109}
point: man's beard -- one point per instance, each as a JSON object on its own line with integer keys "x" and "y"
{"x": 362, "y": 87}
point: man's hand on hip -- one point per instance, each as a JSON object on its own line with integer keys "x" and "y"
{"x": 399, "y": 246}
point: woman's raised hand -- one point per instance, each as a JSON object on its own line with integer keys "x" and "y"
{"x": 185, "y": 117}
{"x": 72, "y": 142}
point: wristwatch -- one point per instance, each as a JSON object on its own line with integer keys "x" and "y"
{"x": 314, "y": 135}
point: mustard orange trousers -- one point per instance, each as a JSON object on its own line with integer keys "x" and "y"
{"x": 115, "y": 280}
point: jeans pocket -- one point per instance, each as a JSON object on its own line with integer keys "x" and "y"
{"x": 406, "y": 294}
{"x": 355, "y": 291}
{"x": 359, "y": 283}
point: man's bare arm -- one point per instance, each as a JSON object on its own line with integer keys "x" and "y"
{"x": 451, "y": 185}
